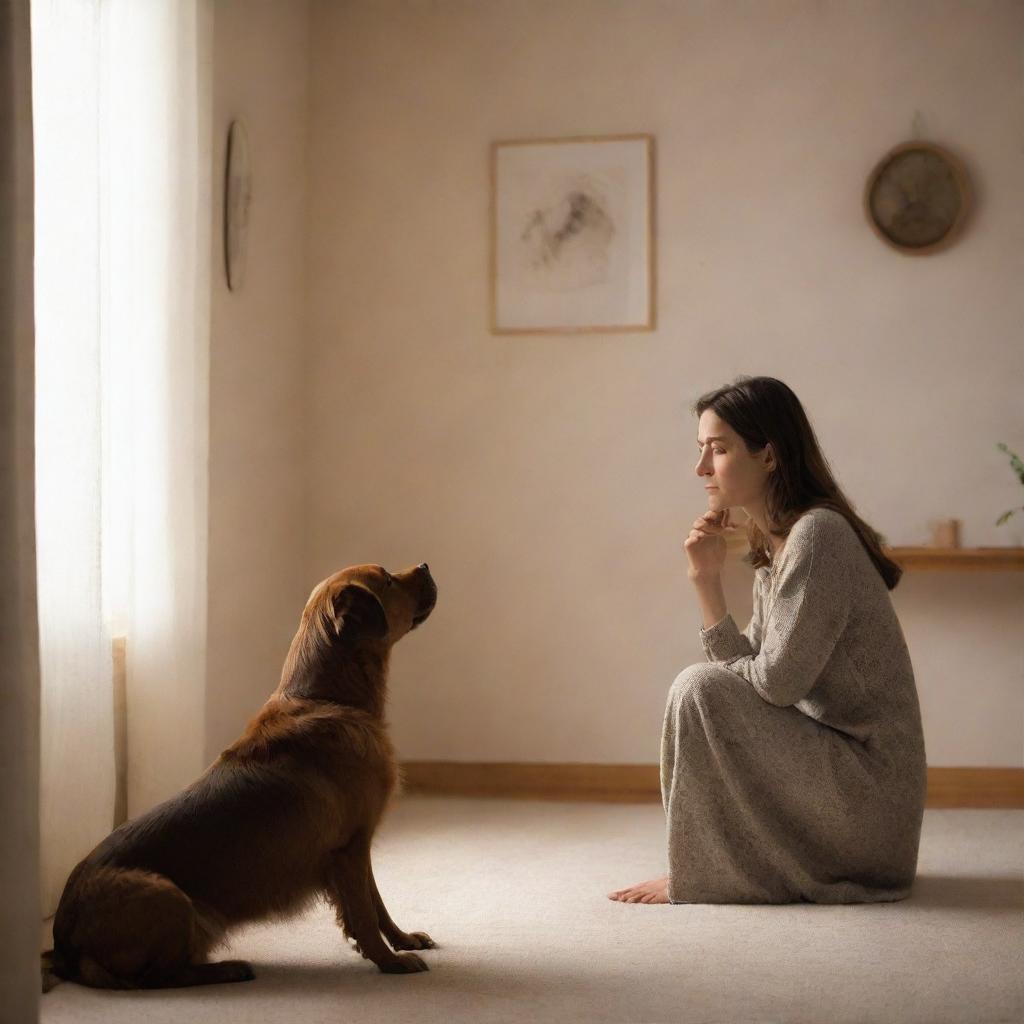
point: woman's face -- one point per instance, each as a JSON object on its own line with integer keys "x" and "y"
{"x": 723, "y": 463}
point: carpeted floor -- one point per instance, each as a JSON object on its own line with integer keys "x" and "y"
{"x": 513, "y": 892}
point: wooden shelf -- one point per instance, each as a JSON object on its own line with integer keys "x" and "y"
{"x": 958, "y": 559}
{"x": 925, "y": 558}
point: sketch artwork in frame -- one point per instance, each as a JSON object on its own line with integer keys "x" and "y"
{"x": 572, "y": 241}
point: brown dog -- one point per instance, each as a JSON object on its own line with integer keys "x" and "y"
{"x": 285, "y": 814}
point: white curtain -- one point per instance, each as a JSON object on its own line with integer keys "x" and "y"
{"x": 122, "y": 126}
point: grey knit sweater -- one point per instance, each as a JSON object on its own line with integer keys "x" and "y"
{"x": 793, "y": 760}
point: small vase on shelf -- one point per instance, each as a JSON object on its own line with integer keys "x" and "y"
{"x": 945, "y": 533}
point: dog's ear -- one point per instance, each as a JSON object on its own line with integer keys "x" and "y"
{"x": 358, "y": 612}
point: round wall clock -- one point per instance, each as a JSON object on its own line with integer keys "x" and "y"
{"x": 917, "y": 197}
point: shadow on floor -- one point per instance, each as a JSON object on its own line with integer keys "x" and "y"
{"x": 955, "y": 892}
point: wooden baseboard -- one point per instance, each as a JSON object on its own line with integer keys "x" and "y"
{"x": 640, "y": 783}
{"x": 975, "y": 787}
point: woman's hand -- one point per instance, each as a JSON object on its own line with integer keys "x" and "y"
{"x": 705, "y": 546}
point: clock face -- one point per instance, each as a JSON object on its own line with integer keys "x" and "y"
{"x": 916, "y": 197}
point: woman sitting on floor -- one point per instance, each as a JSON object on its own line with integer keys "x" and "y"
{"x": 792, "y": 760}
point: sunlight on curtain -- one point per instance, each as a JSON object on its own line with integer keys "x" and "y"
{"x": 122, "y": 98}
{"x": 156, "y": 269}
{"x": 77, "y": 757}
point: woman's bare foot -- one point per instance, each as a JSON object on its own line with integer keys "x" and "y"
{"x": 654, "y": 890}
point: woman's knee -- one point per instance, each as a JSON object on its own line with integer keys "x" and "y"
{"x": 696, "y": 679}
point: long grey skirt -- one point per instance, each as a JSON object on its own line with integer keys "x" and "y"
{"x": 766, "y": 805}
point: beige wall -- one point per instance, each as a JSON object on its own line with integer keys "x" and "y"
{"x": 257, "y": 579}
{"x": 549, "y": 480}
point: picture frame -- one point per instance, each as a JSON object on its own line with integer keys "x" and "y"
{"x": 572, "y": 235}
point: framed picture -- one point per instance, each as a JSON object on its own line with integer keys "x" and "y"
{"x": 572, "y": 238}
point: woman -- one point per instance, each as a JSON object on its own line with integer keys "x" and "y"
{"x": 792, "y": 760}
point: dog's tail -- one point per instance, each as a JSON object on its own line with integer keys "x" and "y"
{"x": 57, "y": 967}
{"x": 53, "y": 969}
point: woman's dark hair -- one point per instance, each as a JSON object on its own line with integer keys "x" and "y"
{"x": 763, "y": 410}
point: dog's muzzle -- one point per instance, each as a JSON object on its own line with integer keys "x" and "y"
{"x": 428, "y": 595}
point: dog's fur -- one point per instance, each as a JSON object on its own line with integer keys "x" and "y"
{"x": 285, "y": 814}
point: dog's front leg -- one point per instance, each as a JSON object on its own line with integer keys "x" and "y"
{"x": 394, "y": 934}
{"x": 350, "y": 890}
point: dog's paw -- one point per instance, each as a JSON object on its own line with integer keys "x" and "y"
{"x": 236, "y": 970}
{"x": 404, "y": 963}
{"x": 413, "y": 940}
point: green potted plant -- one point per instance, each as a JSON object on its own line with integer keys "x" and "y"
{"x": 1018, "y": 468}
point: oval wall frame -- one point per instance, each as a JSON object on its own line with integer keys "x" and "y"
{"x": 237, "y": 202}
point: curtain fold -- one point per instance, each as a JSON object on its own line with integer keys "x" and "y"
{"x": 156, "y": 255}
{"x": 77, "y": 767}
{"x": 123, "y": 179}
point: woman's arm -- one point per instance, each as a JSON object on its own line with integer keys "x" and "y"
{"x": 711, "y": 596}
{"x": 809, "y": 612}
{"x": 720, "y": 637}
{"x": 705, "y": 547}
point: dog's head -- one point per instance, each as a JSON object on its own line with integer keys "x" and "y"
{"x": 366, "y": 604}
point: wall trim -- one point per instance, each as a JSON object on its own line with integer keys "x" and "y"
{"x": 640, "y": 783}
